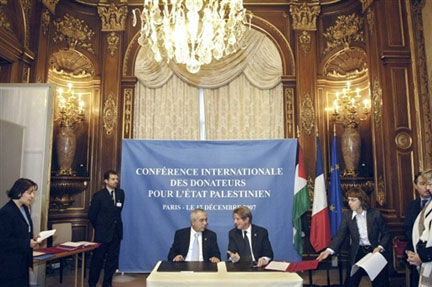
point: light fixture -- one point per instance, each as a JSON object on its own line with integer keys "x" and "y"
{"x": 70, "y": 113}
{"x": 349, "y": 108}
{"x": 71, "y": 108}
{"x": 193, "y": 32}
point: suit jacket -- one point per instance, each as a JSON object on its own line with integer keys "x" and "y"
{"x": 378, "y": 233}
{"x": 412, "y": 211}
{"x": 16, "y": 255}
{"x": 260, "y": 242}
{"x": 181, "y": 242}
{"x": 105, "y": 215}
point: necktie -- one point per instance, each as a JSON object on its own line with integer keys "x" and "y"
{"x": 112, "y": 196}
{"x": 248, "y": 254}
{"x": 195, "y": 248}
{"x": 423, "y": 202}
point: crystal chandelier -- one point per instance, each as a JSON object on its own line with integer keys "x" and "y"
{"x": 193, "y": 32}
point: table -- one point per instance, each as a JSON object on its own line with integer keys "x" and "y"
{"x": 66, "y": 253}
{"x": 222, "y": 278}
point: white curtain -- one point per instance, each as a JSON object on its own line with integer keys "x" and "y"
{"x": 243, "y": 95}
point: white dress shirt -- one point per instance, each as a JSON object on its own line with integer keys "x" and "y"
{"x": 362, "y": 227}
{"x": 191, "y": 241}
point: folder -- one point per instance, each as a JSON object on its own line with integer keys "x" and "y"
{"x": 292, "y": 266}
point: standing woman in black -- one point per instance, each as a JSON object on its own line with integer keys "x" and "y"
{"x": 16, "y": 235}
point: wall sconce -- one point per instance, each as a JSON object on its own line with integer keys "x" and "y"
{"x": 349, "y": 108}
{"x": 71, "y": 113}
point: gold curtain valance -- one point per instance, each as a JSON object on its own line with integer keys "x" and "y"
{"x": 264, "y": 72}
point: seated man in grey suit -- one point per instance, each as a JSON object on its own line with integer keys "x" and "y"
{"x": 195, "y": 243}
{"x": 245, "y": 235}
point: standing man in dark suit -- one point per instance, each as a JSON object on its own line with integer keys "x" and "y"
{"x": 245, "y": 235}
{"x": 195, "y": 243}
{"x": 412, "y": 211}
{"x": 368, "y": 232}
{"x": 105, "y": 215}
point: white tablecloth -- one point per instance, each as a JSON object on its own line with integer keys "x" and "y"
{"x": 222, "y": 278}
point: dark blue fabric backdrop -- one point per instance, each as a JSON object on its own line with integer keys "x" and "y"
{"x": 164, "y": 180}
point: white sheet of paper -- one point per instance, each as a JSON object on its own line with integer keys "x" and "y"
{"x": 45, "y": 234}
{"x": 372, "y": 263}
{"x": 277, "y": 265}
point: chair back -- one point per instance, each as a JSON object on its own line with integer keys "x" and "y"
{"x": 63, "y": 233}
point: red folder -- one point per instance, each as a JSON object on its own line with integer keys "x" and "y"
{"x": 303, "y": 265}
{"x": 298, "y": 266}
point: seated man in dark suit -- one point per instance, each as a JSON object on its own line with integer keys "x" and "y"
{"x": 246, "y": 235}
{"x": 195, "y": 243}
{"x": 412, "y": 211}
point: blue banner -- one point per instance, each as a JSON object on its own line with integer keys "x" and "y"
{"x": 165, "y": 180}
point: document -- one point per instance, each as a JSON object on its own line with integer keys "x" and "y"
{"x": 74, "y": 245}
{"x": 292, "y": 266}
{"x": 372, "y": 263}
{"x": 277, "y": 266}
{"x": 45, "y": 234}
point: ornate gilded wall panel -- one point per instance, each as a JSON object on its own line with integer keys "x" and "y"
{"x": 289, "y": 112}
{"x": 347, "y": 29}
{"x": 305, "y": 40}
{"x": 74, "y": 32}
{"x": 307, "y": 115}
{"x": 113, "y": 42}
{"x": 51, "y": 5}
{"x": 45, "y": 21}
{"x": 109, "y": 114}
{"x": 377, "y": 101}
{"x": 113, "y": 18}
{"x": 127, "y": 113}
{"x": 304, "y": 15}
{"x": 5, "y": 21}
{"x": 71, "y": 63}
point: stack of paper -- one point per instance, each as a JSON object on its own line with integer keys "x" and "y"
{"x": 44, "y": 235}
{"x": 372, "y": 263}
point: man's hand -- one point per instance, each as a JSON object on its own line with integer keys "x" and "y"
{"x": 262, "y": 262}
{"x": 178, "y": 258}
{"x": 33, "y": 243}
{"x": 323, "y": 255}
{"x": 377, "y": 249}
{"x": 235, "y": 257}
{"x": 414, "y": 258}
{"x": 214, "y": 260}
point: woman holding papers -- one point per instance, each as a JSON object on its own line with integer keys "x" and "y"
{"x": 368, "y": 232}
{"x": 16, "y": 235}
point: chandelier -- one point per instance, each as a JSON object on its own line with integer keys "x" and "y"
{"x": 71, "y": 107}
{"x": 192, "y": 32}
{"x": 349, "y": 107}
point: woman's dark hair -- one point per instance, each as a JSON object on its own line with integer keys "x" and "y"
{"x": 360, "y": 194}
{"x": 20, "y": 186}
